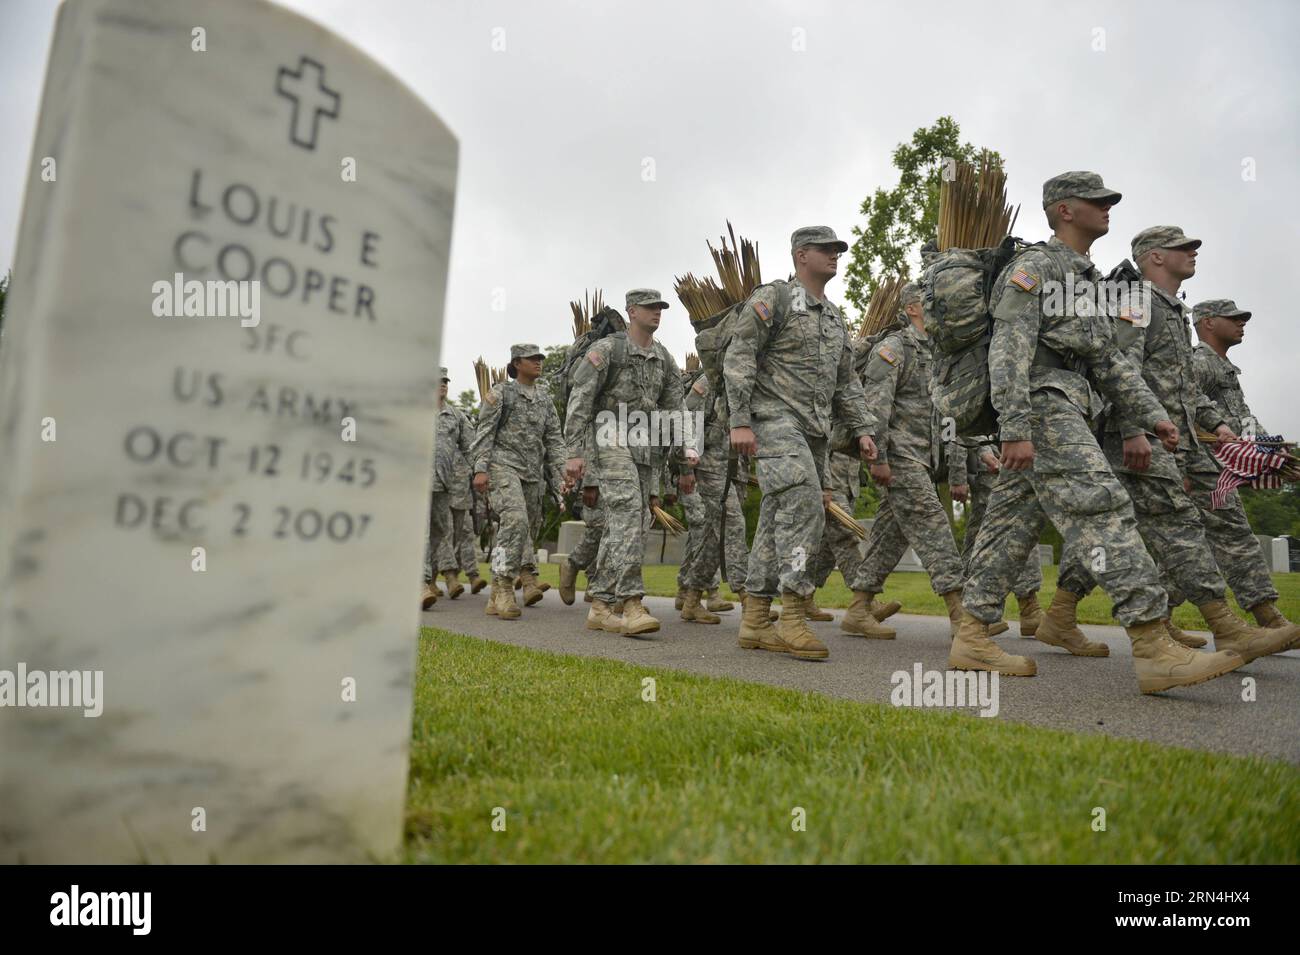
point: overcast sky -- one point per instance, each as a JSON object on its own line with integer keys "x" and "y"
{"x": 555, "y": 130}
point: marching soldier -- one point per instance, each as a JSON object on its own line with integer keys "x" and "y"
{"x": 462, "y": 549}
{"x": 517, "y": 448}
{"x": 624, "y": 373}
{"x": 788, "y": 372}
{"x": 1045, "y": 357}
{"x": 454, "y": 436}
{"x": 898, "y": 389}
{"x": 1220, "y": 324}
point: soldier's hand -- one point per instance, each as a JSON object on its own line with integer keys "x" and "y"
{"x": 573, "y": 470}
{"x": 1224, "y": 433}
{"x": 881, "y": 474}
{"x": 1168, "y": 435}
{"x": 686, "y": 483}
{"x": 692, "y": 457}
{"x": 744, "y": 442}
{"x": 867, "y": 448}
{"x": 590, "y": 496}
{"x": 827, "y": 497}
{"x": 1017, "y": 455}
{"x": 960, "y": 492}
{"x": 481, "y": 482}
{"x": 991, "y": 462}
{"x": 1187, "y": 485}
{"x": 654, "y": 501}
{"x": 1137, "y": 452}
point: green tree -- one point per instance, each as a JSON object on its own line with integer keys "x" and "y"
{"x": 900, "y": 219}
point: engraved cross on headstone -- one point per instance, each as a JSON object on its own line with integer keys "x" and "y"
{"x": 311, "y": 100}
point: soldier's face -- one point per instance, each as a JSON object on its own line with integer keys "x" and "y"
{"x": 1231, "y": 330}
{"x": 1181, "y": 263}
{"x": 913, "y": 310}
{"x": 822, "y": 261}
{"x": 442, "y": 388}
{"x": 1092, "y": 216}
{"x": 646, "y": 317}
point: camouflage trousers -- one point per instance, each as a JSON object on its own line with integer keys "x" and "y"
{"x": 1235, "y": 548}
{"x": 584, "y": 555}
{"x": 1070, "y": 484}
{"x": 1169, "y": 523}
{"x": 518, "y": 505}
{"x": 458, "y": 550}
{"x": 440, "y": 533}
{"x": 791, "y": 516}
{"x": 704, "y": 543}
{"x": 625, "y": 488}
{"x": 910, "y": 513}
{"x": 840, "y": 547}
{"x": 1030, "y": 578}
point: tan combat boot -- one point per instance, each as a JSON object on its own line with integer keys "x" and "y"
{"x": 882, "y": 611}
{"x": 1267, "y": 615}
{"x": 998, "y": 626}
{"x": 792, "y": 629}
{"x": 491, "y": 608}
{"x": 586, "y": 594}
{"x": 813, "y": 612}
{"x": 1162, "y": 663}
{"x": 861, "y": 622}
{"x": 429, "y": 596}
{"x": 695, "y": 612}
{"x": 507, "y": 607}
{"x": 973, "y": 650}
{"x": 772, "y": 615}
{"x": 1186, "y": 639}
{"x": 1230, "y": 633}
{"x": 618, "y": 607}
{"x": 953, "y": 601}
{"x": 636, "y": 619}
{"x": 1060, "y": 628}
{"x": 1031, "y": 615}
{"x": 754, "y": 622}
{"x": 454, "y": 587}
{"x": 568, "y": 582}
{"x": 601, "y": 616}
{"x": 476, "y": 583}
{"x": 533, "y": 590}
{"x": 716, "y": 602}
{"x": 680, "y": 601}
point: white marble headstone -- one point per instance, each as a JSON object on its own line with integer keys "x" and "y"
{"x": 256, "y": 703}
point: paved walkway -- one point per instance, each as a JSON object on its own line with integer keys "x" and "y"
{"x": 1081, "y": 694}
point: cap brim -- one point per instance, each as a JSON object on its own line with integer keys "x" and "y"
{"x": 1239, "y": 313}
{"x": 1099, "y": 194}
{"x": 652, "y": 304}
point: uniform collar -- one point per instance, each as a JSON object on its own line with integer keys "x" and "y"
{"x": 815, "y": 302}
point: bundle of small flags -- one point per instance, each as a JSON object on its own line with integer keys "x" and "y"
{"x": 1260, "y": 463}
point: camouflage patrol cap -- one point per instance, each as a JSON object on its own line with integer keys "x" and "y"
{"x": 911, "y": 293}
{"x": 525, "y": 351}
{"x": 1161, "y": 237}
{"x": 442, "y": 374}
{"x": 816, "y": 235}
{"x": 645, "y": 296}
{"x": 1077, "y": 185}
{"x": 1219, "y": 308}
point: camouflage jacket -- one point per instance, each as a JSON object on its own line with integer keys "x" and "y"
{"x": 528, "y": 441}
{"x": 1081, "y": 349}
{"x": 846, "y": 478}
{"x": 460, "y": 494}
{"x": 798, "y": 364}
{"x": 606, "y": 393}
{"x": 1219, "y": 380}
{"x": 703, "y": 404}
{"x": 1162, "y": 351}
{"x": 454, "y": 437}
{"x": 898, "y": 387}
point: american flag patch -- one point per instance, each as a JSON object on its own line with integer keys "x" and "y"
{"x": 1023, "y": 280}
{"x": 763, "y": 311}
{"x": 701, "y": 386}
{"x": 490, "y": 397}
{"x": 886, "y": 353}
{"x": 595, "y": 358}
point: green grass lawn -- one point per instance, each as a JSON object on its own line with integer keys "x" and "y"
{"x": 914, "y": 593}
{"x": 587, "y": 771}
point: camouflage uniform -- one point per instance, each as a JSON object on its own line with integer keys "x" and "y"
{"x": 897, "y": 386}
{"x": 982, "y": 481}
{"x": 584, "y": 555}
{"x": 645, "y": 380}
{"x": 460, "y": 547}
{"x": 704, "y": 507}
{"x": 788, "y": 369}
{"x": 1041, "y": 368}
{"x": 1229, "y": 532}
{"x": 518, "y": 455}
{"x": 1219, "y": 379}
{"x": 454, "y": 438}
{"x": 1169, "y": 522}
{"x": 840, "y": 546}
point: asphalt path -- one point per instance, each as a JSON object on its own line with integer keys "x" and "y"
{"x": 1078, "y": 694}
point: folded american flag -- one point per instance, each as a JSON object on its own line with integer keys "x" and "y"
{"x": 1255, "y": 463}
